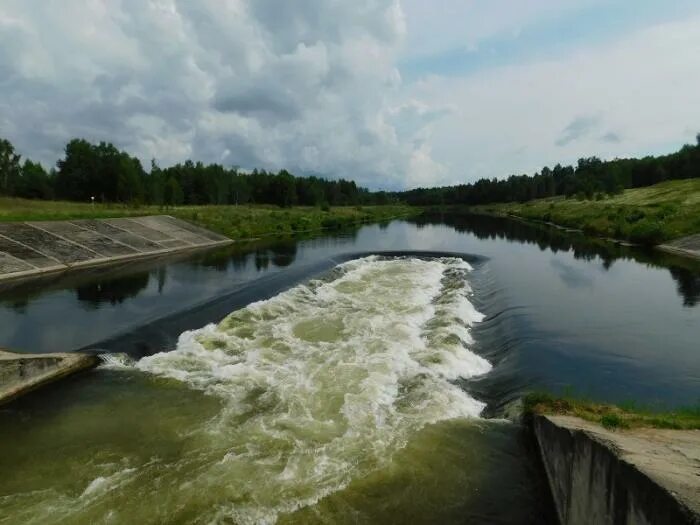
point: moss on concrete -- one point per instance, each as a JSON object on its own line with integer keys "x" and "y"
{"x": 628, "y": 415}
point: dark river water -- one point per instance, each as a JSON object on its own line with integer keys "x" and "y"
{"x": 305, "y": 407}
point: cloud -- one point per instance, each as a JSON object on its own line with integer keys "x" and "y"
{"x": 315, "y": 86}
{"x": 517, "y": 118}
{"x": 310, "y": 86}
{"x": 571, "y": 276}
{"x": 577, "y": 128}
{"x": 611, "y": 137}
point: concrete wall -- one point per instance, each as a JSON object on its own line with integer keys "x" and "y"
{"x": 21, "y": 373}
{"x": 603, "y": 477}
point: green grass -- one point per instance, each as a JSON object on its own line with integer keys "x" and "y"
{"x": 236, "y": 222}
{"x": 627, "y": 415}
{"x": 650, "y": 215}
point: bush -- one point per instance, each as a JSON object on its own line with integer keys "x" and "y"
{"x": 647, "y": 232}
{"x": 611, "y": 421}
{"x": 634, "y": 216}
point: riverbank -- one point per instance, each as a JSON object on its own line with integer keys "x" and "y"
{"x": 612, "y": 416}
{"x": 235, "y": 222}
{"x": 651, "y": 215}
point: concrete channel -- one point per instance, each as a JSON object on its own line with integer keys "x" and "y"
{"x": 29, "y": 249}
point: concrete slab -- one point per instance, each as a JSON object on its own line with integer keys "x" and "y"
{"x": 202, "y": 232}
{"x": 87, "y": 238}
{"x": 9, "y": 264}
{"x": 33, "y": 248}
{"x": 175, "y": 243}
{"x": 45, "y": 243}
{"x": 171, "y": 230}
{"x": 139, "y": 229}
{"x": 26, "y": 254}
{"x": 21, "y": 373}
{"x": 136, "y": 242}
{"x": 688, "y": 246}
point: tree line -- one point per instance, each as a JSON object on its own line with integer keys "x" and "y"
{"x": 591, "y": 178}
{"x": 107, "y": 174}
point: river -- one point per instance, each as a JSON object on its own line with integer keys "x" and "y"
{"x": 359, "y": 377}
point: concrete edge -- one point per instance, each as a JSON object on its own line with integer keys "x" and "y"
{"x": 679, "y": 251}
{"x": 591, "y": 482}
{"x": 57, "y": 366}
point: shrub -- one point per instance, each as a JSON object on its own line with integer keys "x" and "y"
{"x": 647, "y": 232}
{"x": 611, "y": 421}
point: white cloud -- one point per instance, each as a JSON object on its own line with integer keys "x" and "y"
{"x": 631, "y": 97}
{"x": 310, "y": 86}
{"x": 313, "y": 86}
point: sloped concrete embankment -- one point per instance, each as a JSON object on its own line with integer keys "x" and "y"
{"x": 33, "y": 248}
{"x": 688, "y": 246}
{"x": 22, "y": 373}
{"x": 640, "y": 476}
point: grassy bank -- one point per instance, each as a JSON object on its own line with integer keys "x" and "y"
{"x": 611, "y": 416}
{"x": 649, "y": 215}
{"x": 236, "y": 222}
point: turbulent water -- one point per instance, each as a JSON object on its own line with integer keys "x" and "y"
{"x": 316, "y": 387}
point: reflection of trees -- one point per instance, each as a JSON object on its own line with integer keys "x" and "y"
{"x": 279, "y": 254}
{"x": 284, "y": 253}
{"x": 113, "y": 291}
{"x": 262, "y": 259}
{"x": 162, "y": 274}
{"x": 688, "y": 285}
{"x": 684, "y": 271}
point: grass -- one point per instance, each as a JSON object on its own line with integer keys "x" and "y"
{"x": 649, "y": 215}
{"x": 237, "y": 222}
{"x": 627, "y": 415}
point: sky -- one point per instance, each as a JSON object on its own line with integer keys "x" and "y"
{"x": 393, "y": 94}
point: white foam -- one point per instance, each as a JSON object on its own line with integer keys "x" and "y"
{"x": 102, "y": 484}
{"x": 323, "y": 382}
{"x": 116, "y": 361}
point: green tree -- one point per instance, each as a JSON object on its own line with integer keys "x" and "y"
{"x": 9, "y": 167}
{"x": 173, "y": 192}
{"x": 34, "y": 183}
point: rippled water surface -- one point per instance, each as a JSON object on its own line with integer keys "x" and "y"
{"x": 312, "y": 382}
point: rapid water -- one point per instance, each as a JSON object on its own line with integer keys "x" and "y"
{"x": 316, "y": 387}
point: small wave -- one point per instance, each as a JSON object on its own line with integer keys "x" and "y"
{"x": 116, "y": 361}
{"x": 103, "y": 484}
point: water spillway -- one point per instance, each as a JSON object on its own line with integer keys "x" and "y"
{"x": 323, "y": 382}
{"x": 290, "y": 399}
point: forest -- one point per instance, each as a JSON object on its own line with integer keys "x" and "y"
{"x": 107, "y": 174}
{"x": 591, "y": 178}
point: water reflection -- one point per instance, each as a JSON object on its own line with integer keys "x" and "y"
{"x": 685, "y": 271}
{"x": 116, "y": 291}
